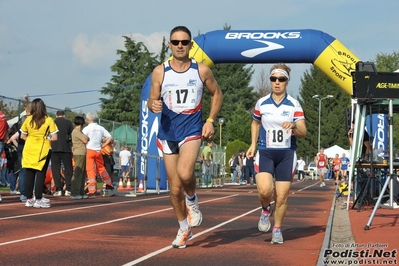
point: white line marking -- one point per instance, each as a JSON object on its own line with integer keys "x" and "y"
{"x": 99, "y": 224}
{"x": 302, "y": 189}
{"x": 78, "y": 208}
{"x": 152, "y": 254}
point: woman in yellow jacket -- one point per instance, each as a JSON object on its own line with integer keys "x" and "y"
{"x": 38, "y": 130}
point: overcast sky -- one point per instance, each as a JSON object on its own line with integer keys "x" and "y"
{"x": 62, "y": 51}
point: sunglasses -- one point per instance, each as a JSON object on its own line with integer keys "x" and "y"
{"x": 183, "y": 42}
{"x": 280, "y": 79}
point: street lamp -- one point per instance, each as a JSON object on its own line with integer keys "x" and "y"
{"x": 221, "y": 122}
{"x": 320, "y": 99}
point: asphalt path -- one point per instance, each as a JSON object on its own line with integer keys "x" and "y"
{"x": 139, "y": 230}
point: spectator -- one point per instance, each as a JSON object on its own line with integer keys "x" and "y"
{"x": 79, "y": 141}
{"x": 20, "y": 144}
{"x": 301, "y": 169}
{"x": 94, "y": 159}
{"x": 232, "y": 165}
{"x": 206, "y": 156}
{"x": 12, "y": 164}
{"x": 108, "y": 157}
{"x": 38, "y": 130}
{"x": 250, "y": 170}
{"x": 3, "y": 168}
{"x": 4, "y": 127}
{"x": 62, "y": 153}
{"x": 124, "y": 163}
{"x": 237, "y": 164}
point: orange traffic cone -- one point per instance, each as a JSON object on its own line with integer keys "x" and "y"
{"x": 128, "y": 185}
{"x": 141, "y": 188}
{"x": 52, "y": 185}
{"x": 120, "y": 185}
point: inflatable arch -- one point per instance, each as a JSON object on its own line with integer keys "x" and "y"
{"x": 248, "y": 46}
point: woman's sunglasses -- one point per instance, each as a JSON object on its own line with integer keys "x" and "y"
{"x": 280, "y": 79}
{"x": 183, "y": 42}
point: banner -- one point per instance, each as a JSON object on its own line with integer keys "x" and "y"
{"x": 379, "y": 131}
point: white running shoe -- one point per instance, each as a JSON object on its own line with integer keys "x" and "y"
{"x": 41, "y": 204}
{"x": 194, "y": 215}
{"x": 181, "y": 238}
{"x": 30, "y": 203}
{"x": 277, "y": 237}
{"x": 58, "y": 193}
{"x": 46, "y": 200}
{"x": 264, "y": 223}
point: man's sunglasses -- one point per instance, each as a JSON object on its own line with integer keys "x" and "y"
{"x": 183, "y": 42}
{"x": 280, "y": 79}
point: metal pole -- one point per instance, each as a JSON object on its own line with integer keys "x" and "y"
{"x": 318, "y": 143}
{"x": 220, "y": 142}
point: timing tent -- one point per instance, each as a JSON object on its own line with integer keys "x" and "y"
{"x": 125, "y": 135}
{"x": 330, "y": 152}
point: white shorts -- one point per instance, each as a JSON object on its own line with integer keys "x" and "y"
{"x": 321, "y": 171}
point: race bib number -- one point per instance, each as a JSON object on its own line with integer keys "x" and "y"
{"x": 321, "y": 164}
{"x": 182, "y": 98}
{"x": 278, "y": 138}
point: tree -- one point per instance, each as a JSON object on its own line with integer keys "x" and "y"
{"x": 238, "y": 125}
{"x": 234, "y": 81}
{"x": 163, "y": 55}
{"x": 132, "y": 69}
{"x": 332, "y": 116}
{"x": 11, "y": 107}
{"x": 263, "y": 85}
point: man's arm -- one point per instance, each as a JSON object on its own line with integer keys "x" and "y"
{"x": 216, "y": 98}
{"x": 213, "y": 88}
{"x": 154, "y": 103}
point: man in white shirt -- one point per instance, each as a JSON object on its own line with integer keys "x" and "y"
{"x": 124, "y": 163}
{"x": 94, "y": 158}
{"x": 301, "y": 169}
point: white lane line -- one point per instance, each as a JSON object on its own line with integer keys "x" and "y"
{"x": 100, "y": 224}
{"x": 78, "y": 208}
{"x": 302, "y": 189}
{"x": 157, "y": 252}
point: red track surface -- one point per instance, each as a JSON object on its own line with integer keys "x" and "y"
{"x": 122, "y": 230}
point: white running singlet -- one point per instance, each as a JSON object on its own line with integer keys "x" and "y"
{"x": 271, "y": 115}
{"x": 181, "y": 93}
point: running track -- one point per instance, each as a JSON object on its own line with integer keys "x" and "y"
{"x": 128, "y": 231}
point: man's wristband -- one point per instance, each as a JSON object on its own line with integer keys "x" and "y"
{"x": 209, "y": 120}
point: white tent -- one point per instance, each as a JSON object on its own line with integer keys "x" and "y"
{"x": 14, "y": 120}
{"x": 330, "y": 152}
